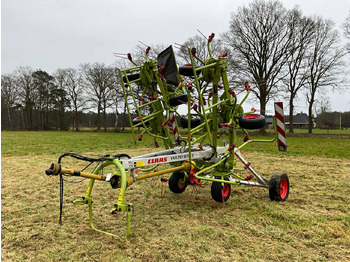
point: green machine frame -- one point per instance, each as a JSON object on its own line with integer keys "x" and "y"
{"x": 153, "y": 93}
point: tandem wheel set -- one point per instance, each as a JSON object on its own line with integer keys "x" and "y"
{"x": 153, "y": 92}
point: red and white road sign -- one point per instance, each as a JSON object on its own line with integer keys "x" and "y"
{"x": 281, "y": 127}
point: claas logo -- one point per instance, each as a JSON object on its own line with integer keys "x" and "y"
{"x": 157, "y": 160}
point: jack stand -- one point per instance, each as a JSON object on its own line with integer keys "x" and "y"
{"x": 81, "y": 201}
{"x": 118, "y": 207}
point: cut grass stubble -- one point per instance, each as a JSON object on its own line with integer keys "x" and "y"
{"x": 313, "y": 224}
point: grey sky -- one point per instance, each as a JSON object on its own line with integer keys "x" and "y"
{"x": 52, "y": 34}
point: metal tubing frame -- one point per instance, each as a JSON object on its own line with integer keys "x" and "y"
{"x": 209, "y": 157}
{"x": 88, "y": 199}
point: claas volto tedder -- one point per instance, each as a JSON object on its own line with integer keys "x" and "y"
{"x": 153, "y": 92}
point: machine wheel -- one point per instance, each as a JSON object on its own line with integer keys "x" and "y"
{"x": 177, "y": 182}
{"x": 279, "y": 187}
{"x": 195, "y": 121}
{"x": 186, "y": 70}
{"x": 178, "y": 100}
{"x": 219, "y": 192}
{"x": 252, "y": 121}
{"x": 131, "y": 77}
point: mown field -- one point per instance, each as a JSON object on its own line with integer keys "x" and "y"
{"x": 312, "y": 225}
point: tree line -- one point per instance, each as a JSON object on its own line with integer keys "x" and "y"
{"x": 33, "y": 99}
{"x": 285, "y": 54}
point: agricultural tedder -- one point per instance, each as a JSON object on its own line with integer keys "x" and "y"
{"x": 153, "y": 92}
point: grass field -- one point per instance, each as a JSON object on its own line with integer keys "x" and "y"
{"x": 312, "y": 225}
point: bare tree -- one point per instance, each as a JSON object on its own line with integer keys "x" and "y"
{"x": 117, "y": 97}
{"x": 27, "y": 95}
{"x": 71, "y": 81}
{"x": 260, "y": 37}
{"x": 346, "y": 29}
{"x": 324, "y": 61}
{"x": 298, "y": 72}
{"x": 99, "y": 82}
{"x": 45, "y": 90}
{"x": 9, "y": 95}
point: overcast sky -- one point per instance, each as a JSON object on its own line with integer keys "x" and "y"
{"x": 52, "y": 34}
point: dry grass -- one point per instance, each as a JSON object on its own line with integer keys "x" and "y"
{"x": 312, "y": 225}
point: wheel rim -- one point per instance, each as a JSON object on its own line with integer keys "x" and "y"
{"x": 225, "y": 190}
{"x": 181, "y": 184}
{"x": 251, "y": 116}
{"x": 283, "y": 188}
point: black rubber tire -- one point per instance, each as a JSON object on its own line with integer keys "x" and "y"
{"x": 217, "y": 191}
{"x": 131, "y": 77}
{"x": 187, "y": 70}
{"x": 279, "y": 187}
{"x": 195, "y": 121}
{"x": 177, "y": 182}
{"x": 178, "y": 100}
{"x": 252, "y": 121}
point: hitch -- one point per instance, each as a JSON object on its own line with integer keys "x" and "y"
{"x": 56, "y": 169}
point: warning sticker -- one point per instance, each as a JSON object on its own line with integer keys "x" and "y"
{"x": 140, "y": 163}
{"x": 120, "y": 197}
{"x": 87, "y": 191}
